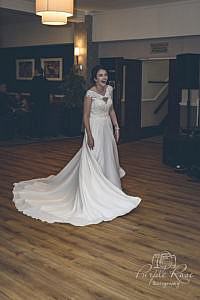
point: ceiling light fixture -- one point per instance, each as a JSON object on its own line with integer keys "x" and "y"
{"x": 54, "y": 12}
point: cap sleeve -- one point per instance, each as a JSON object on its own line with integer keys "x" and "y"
{"x": 89, "y": 93}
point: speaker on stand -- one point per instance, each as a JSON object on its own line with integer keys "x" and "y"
{"x": 188, "y": 69}
{"x": 198, "y": 104}
{"x": 181, "y": 151}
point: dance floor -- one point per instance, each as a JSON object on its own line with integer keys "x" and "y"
{"x": 149, "y": 254}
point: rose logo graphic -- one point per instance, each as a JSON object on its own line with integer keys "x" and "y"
{"x": 164, "y": 271}
{"x": 164, "y": 260}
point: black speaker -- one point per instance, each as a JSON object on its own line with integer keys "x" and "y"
{"x": 187, "y": 66}
{"x": 181, "y": 150}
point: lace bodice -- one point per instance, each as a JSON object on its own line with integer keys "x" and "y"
{"x": 100, "y": 104}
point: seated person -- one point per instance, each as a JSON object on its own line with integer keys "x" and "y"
{"x": 5, "y": 107}
{"x": 23, "y": 116}
{"x": 6, "y": 113}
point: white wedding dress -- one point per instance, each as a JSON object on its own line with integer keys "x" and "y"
{"x": 88, "y": 189}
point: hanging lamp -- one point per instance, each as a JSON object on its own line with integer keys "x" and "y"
{"x": 52, "y": 19}
{"x": 54, "y": 12}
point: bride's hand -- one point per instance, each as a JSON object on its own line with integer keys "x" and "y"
{"x": 90, "y": 142}
{"x": 117, "y": 135}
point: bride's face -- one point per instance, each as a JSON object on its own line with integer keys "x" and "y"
{"x": 101, "y": 78}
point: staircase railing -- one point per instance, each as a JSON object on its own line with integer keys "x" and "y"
{"x": 161, "y": 104}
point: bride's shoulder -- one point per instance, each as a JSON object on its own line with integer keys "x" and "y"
{"x": 89, "y": 92}
{"x": 91, "y": 88}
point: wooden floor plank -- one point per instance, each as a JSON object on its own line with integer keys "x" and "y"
{"x": 44, "y": 261}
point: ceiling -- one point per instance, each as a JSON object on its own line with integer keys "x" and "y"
{"x": 82, "y": 6}
{"x": 103, "y": 5}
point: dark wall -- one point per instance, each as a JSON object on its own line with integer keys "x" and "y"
{"x": 8, "y": 58}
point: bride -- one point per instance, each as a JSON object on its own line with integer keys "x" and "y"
{"x": 88, "y": 189}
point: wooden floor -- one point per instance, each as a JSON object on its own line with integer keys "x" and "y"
{"x": 63, "y": 262}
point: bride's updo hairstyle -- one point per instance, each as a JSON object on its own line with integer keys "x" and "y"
{"x": 94, "y": 72}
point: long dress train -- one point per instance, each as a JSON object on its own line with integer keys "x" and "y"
{"x": 88, "y": 189}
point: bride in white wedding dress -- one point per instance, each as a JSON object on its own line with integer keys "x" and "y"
{"x": 88, "y": 189}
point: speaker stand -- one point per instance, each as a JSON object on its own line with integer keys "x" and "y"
{"x": 198, "y": 107}
{"x": 188, "y": 112}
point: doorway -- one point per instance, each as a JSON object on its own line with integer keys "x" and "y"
{"x": 154, "y": 99}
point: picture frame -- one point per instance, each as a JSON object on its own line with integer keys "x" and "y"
{"x": 53, "y": 68}
{"x": 25, "y": 69}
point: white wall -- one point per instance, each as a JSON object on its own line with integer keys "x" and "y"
{"x": 142, "y": 48}
{"x": 166, "y": 20}
{"x": 34, "y": 33}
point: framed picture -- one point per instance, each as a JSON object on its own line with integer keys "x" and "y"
{"x": 53, "y": 68}
{"x": 25, "y": 69}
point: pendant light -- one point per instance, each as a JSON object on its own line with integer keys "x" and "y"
{"x": 54, "y": 12}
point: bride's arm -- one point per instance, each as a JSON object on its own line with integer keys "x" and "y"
{"x": 113, "y": 117}
{"x": 86, "y": 120}
{"x": 115, "y": 123}
{"x": 86, "y": 114}
{"x": 112, "y": 111}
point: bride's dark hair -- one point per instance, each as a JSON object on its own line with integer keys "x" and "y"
{"x": 94, "y": 72}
